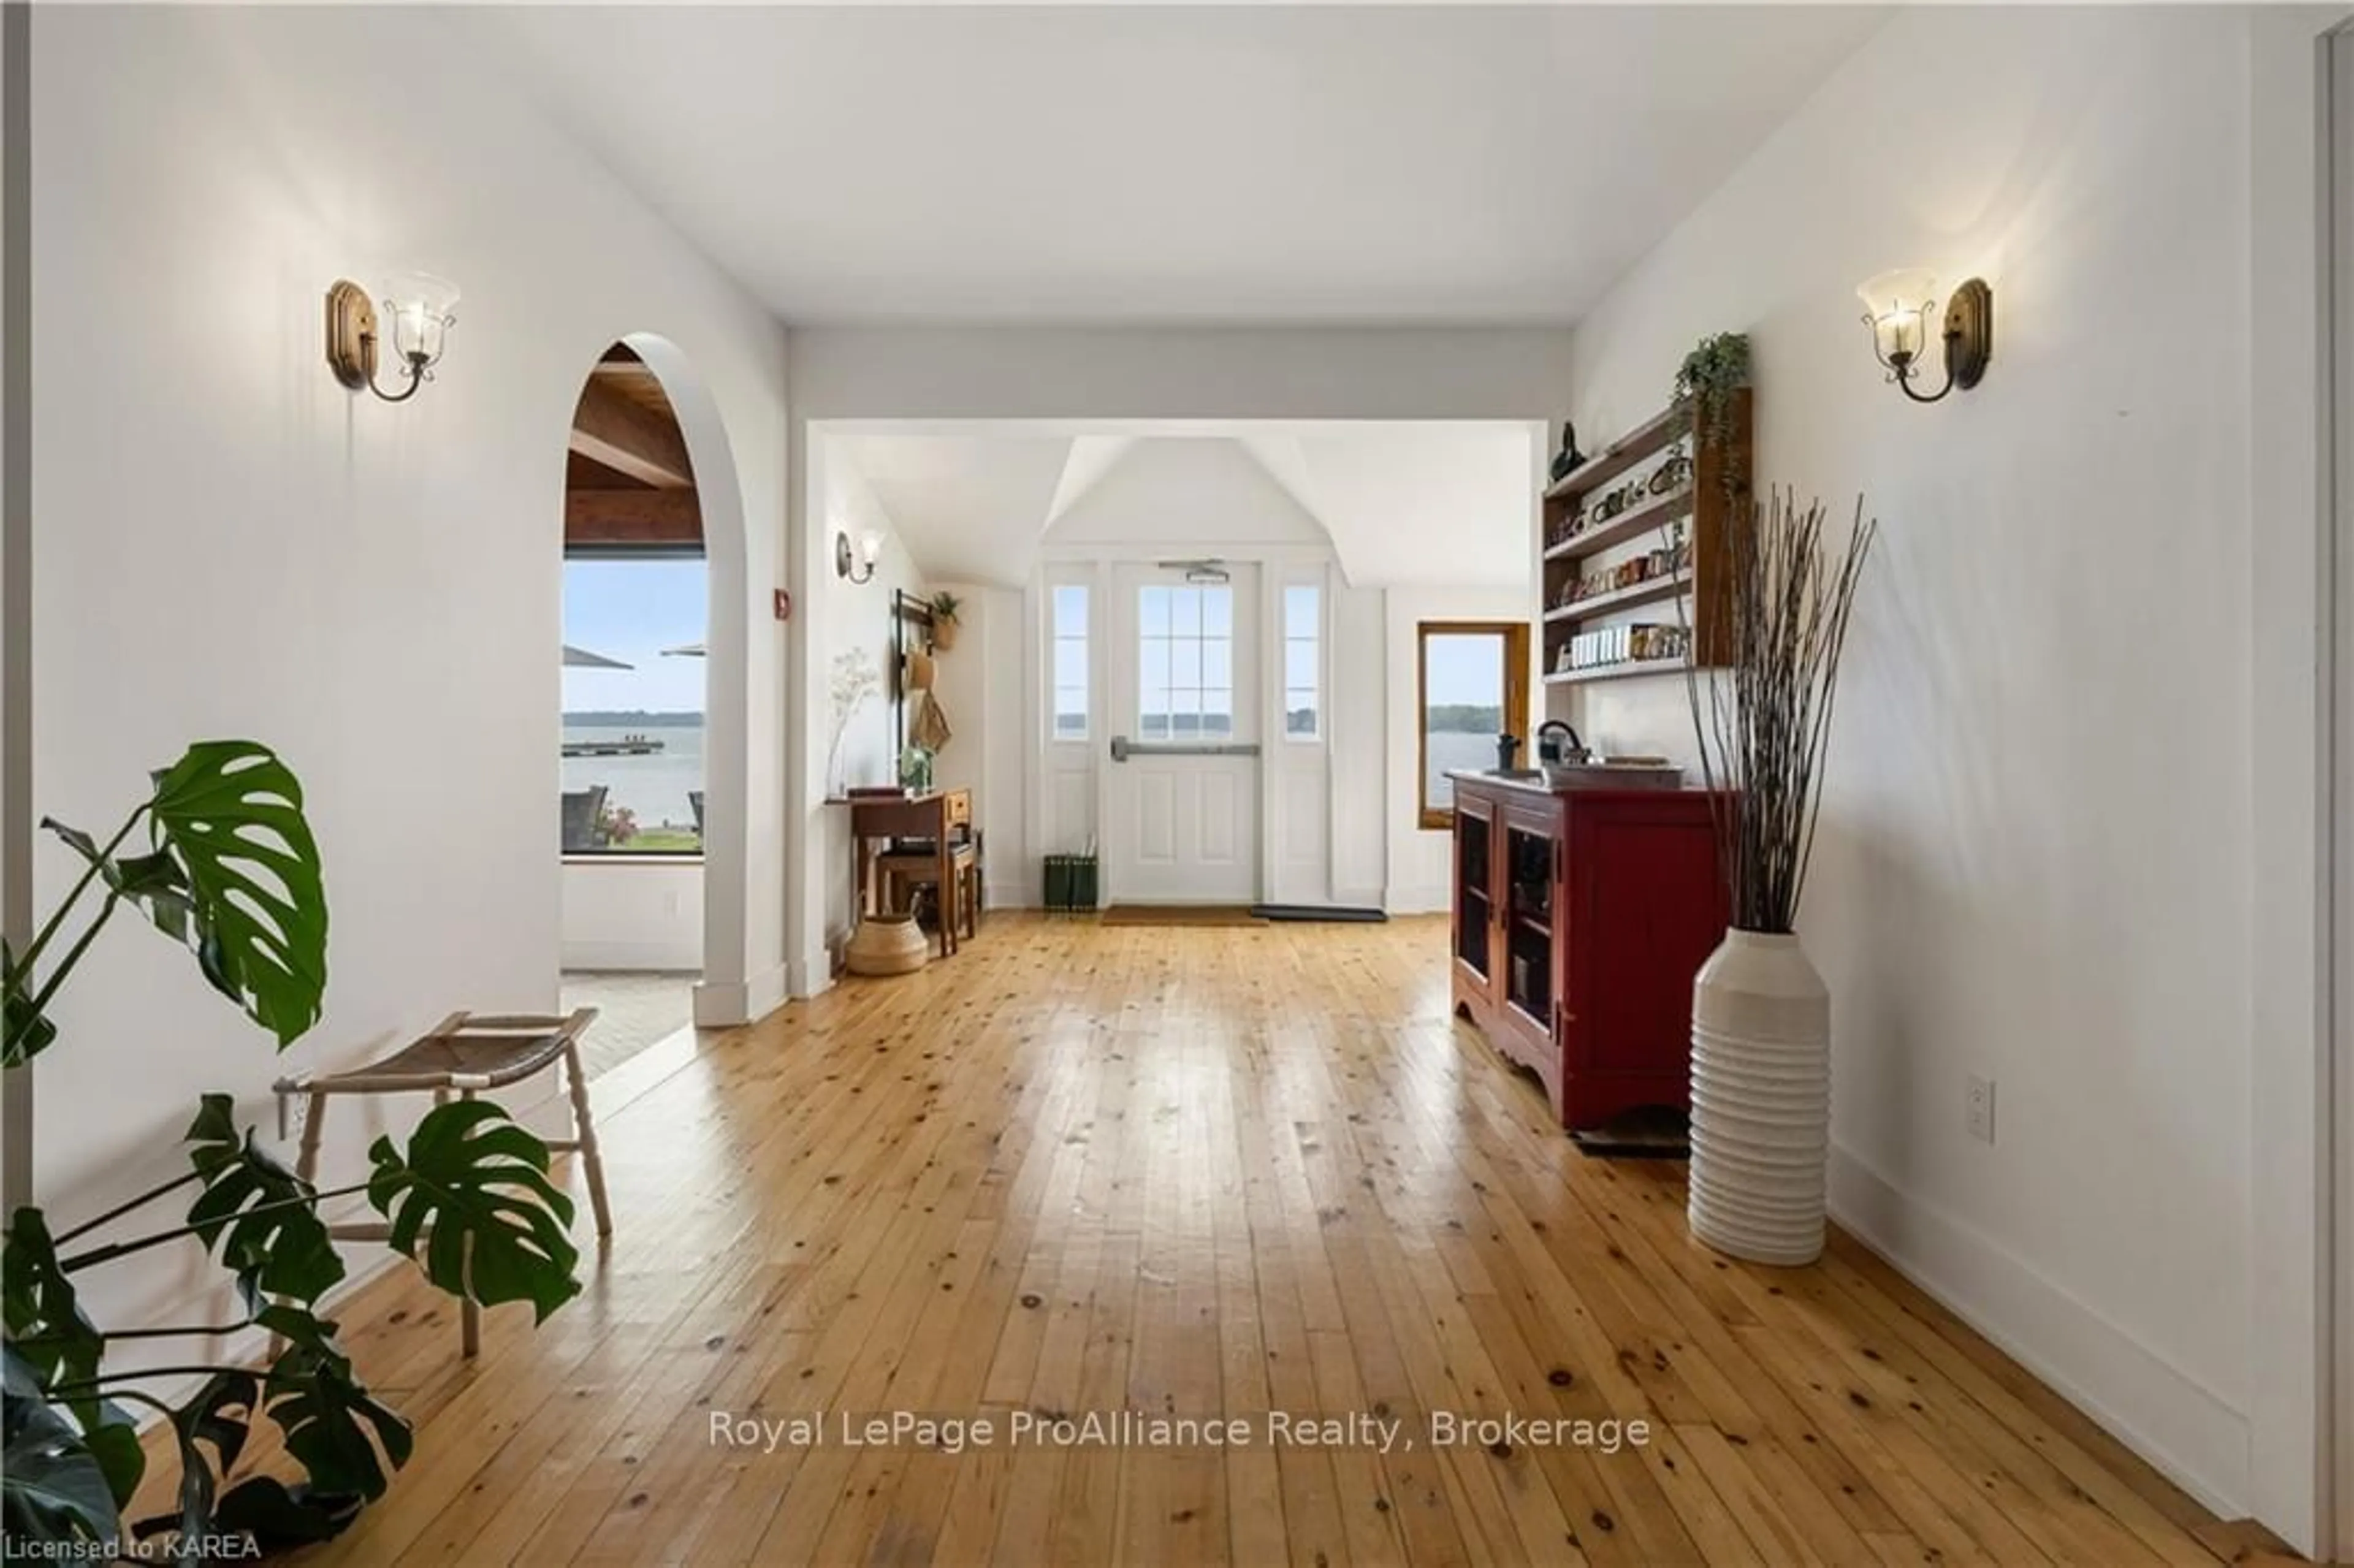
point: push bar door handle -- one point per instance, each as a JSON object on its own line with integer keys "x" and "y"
{"x": 1123, "y": 749}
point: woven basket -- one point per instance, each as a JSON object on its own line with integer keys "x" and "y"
{"x": 887, "y": 944}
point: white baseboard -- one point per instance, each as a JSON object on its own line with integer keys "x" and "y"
{"x": 2180, "y": 1426}
{"x": 725, "y": 1005}
{"x": 1015, "y": 893}
{"x": 1424, "y": 898}
{"x": 766, "y": 992}
{"x": 722, "y": 1005}
{"x": 811, "y": 974}
{"x": 636, "y": 958}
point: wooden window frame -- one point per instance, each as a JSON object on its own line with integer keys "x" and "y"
{"x": 1515, "y": 634}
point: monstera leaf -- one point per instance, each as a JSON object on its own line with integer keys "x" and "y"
{"x": 153, "y": 882}
{"x": 23, "y": 1031}
{"x": 55, "y": 1344}
{"x": 255, "y": 1210}
{"x": 228, "y": 816}
{"x": 471, "y": 1203}
{"x": 51, "y": 1486}
{"x": 333, "y": 1425}
{"x": 220, "y": 1412}
{"x": 46, "y": 1329}
{"x": 278, "y": 1518}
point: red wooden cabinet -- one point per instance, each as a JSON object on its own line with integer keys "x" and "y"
{"x": 1580, "y": 918}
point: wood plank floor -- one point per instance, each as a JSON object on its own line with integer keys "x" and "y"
{"x": 1209, "y": 1173}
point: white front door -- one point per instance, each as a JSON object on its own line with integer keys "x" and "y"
{"x": 1181, "y": 795}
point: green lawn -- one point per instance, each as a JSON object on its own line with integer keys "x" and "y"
{"x": 661, "y": 840}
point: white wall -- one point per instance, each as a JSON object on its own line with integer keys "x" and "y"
{"x": 231, "y": 545}
{"x": 981, "y": 687}
{"x": 855, "y": 615}
{"x": 2294, "y": 552}
{"x": 638, "y": 912}
{"x": 842, "y": 375}
{"x": 2037, "y": 834}
{"x": 1420, "y": 880}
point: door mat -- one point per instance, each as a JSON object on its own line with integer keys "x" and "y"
{"x": 1179, "y": 914}
{"x": 1333, "y": 912}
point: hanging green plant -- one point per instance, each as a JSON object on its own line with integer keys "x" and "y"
{"x": 1716, "y": 370}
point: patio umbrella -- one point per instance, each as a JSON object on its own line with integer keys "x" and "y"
{"x": 581, "y": 659}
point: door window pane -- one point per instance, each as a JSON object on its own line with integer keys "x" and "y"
{"x": 1070, "y": 660}
{"x": 1184, "y": 667}
{"x": 1303, "y": 633}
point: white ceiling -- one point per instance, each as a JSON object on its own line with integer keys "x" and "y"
{"x": 1174, "y": 165}
{"x": 1404, "y": 503}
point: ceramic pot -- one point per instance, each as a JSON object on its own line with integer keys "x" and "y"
{"x": 887, "y": 944}
{"x": 1761, "y": 1100}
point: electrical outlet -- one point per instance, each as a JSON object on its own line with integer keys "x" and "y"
{"x": 1978, "y": 1108}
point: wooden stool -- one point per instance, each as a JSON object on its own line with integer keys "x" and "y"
{"x": 958, "y": 904}
{"x": 465, "y": 1053}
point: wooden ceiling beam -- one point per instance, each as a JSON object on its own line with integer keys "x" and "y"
{"x": 628, "y": 438}
{"x": 587, "y": 473}
{"x": 632, "y": 517}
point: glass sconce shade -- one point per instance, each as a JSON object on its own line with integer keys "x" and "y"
{"x": 418, "y": 308}
{"x": 1898, "y": 305}
{"x": 858, "y": 566}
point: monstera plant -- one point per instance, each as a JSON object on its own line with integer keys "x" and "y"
{"x": 228, "y": 867}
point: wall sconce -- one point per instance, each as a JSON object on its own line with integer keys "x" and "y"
{"x": 1897, "y": 306}
{"x": 861, "y": 570}
{"x": 420, "y": 307}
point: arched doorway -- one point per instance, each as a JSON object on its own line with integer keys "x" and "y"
{"x": 651, "y": 906}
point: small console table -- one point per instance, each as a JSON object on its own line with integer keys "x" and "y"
{"x": 931, "y": 815}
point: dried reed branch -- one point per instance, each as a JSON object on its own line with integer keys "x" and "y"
{"x": 1764, "y": 723}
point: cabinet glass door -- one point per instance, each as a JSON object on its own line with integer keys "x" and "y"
{"x": 1474, "y": 911}
{"x": 1528, "y": 923}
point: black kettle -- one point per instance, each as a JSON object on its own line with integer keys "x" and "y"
{"x": 1550, "y": 746}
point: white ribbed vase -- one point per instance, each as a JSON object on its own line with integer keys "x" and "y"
{"x": 1761, "y": 1100}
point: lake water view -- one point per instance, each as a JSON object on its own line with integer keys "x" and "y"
{"x": 653, "y": 787}
{"x": 1460, "y": 750}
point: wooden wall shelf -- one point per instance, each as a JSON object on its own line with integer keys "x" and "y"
{"x": 1645, "y": 440}
{"x": 1617, "y": 672}
{"x": 1712, "y": 500}
{"x": 1633, "y": 522}
{"x": 1628, "y": 598}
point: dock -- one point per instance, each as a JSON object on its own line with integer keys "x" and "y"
{"x": 628, "y": 745}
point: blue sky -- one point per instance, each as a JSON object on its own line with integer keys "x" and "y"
{"x": 632, "y": 610}
{"x": 1464, "y": 670}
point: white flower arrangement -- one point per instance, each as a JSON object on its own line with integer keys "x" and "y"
{"x": 855, "y": 679}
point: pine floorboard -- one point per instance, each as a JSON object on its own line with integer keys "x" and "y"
{"x": 1213, "y": 1172}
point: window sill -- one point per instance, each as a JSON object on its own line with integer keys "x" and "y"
{"x": 629, "y": 857}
